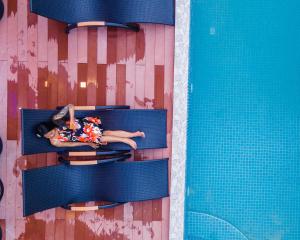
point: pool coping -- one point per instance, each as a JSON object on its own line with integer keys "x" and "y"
{"x": 179, "y": 135}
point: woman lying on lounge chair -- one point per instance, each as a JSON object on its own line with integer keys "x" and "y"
{"x": 82, "y": 132}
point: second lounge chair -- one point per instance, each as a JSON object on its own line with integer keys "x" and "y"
{"x": 116, "y": 182}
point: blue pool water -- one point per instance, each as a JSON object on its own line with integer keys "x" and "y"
{"x": 243, "y": 157}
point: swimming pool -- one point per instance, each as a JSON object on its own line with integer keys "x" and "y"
{"x": 243, "y": 122}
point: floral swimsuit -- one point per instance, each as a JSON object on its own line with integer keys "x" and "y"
{"x": 87, "y": 130}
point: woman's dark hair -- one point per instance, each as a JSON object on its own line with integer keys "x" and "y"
{"x": 44, "y": 128}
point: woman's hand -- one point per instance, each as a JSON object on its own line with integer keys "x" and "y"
{"x": 63, "y": 112}
{"x": 94, "y": 145}
{"x": 72, "y": 124}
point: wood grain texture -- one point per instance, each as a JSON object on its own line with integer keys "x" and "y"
{"x": 42, "y": 67}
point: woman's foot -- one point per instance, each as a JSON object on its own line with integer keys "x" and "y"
{"x": 132, "y": 144}
{"x": 140, "y": 134}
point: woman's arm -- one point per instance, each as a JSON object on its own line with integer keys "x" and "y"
{"x": 73, "y": 144}
{"x": 72, "y": 116}
{"x": 63, "y": 112}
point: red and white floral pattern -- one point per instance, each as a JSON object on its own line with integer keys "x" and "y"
{"x": 88, "y": 129}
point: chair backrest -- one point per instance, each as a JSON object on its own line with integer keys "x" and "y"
{"x": 152, "y": 122}
{"x": 118, "y": 11}
{"x": 54, "y": 186}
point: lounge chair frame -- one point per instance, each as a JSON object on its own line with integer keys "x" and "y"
{"x": 130, "y": 26}
{"x": 103, "y": 165}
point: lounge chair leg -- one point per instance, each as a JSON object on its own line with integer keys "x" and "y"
{"x": 130, "y": 26}
{"x": 70, "y": 27}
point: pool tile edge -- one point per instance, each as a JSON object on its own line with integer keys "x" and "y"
{"x": 176, "y": 231}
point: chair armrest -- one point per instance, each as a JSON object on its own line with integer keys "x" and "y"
{"x": 91, "y": 208}
{"x": 93, "y": 153}
{"x": 109, "y": 107}
{"x": 130, "y": 26}
{"x": 94, "y": 162}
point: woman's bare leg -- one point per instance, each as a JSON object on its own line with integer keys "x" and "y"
{"x": 123, "y": 134}
{"x": 128, "y": 141}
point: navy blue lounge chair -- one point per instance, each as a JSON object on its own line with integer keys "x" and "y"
{"x": 152, "y": 122}
{"x": 115, "y": 182}
{"x": 114, "y": 13}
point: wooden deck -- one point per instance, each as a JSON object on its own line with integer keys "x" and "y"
{"x": 42, "y": 67}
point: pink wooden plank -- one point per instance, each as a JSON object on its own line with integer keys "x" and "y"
{"x": 101, "y": 84}
{"x": 80, "y": 227}
{"x": 42, "y": 96}
{"x": 12, "y": 42}
{"x": 147, "y": 220}
{"x": 128, "y": 220}
{"x": 81, "y": 87}
{"x": 3, "y": 126}
{"x": 119, "y": 223}
{"x": 62, "y": 83}
{"x": 82, "y": 42}
{"x": 32, "y": 18}
{"x": 111, "y": 45}
{"x": 160, "y": 44}
{"x": 42, "y": 38}
{"x": 137, "y": 225}
{"x": 59, "y": 215}
{"x": 156, "y": 230}
{"x": 159, "y": 87}
{"x": 139, "y": 86}
{"x": 59, "y": 229}
{"x": 62, "y": 42}
{"x": 121, "y": 46}
{"x": 102, "y": 45}
{"x": 72, "y": 62}
{"x": 23, "y": 87}
{"x": 22, "y": 30}
{"x": 3, "y": 35}
{"x": 137, "y": 233}
{"x": 11, "y": 189}
{"x": 52, "y": 63}
{"x": 140, "y": 45}
{"x": 165, "y": 218}
{"x": 12, "y": 7}
{"x": 130, "y": 67}
{"x": 169, "y": 59}
{"x": 149, "y": 65}
{"x": 89, "y": 217}
{"x": 121, "y": 84}
{"x": 92, "y": 67}
{"x": 20, "y": 228}
{"x": 69, "y": 225}
{"x": 32, "y": 57}
{"x": 34, "y": 228}
{"x": 111, "y": 84}
{"x": 108, "y": 215}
